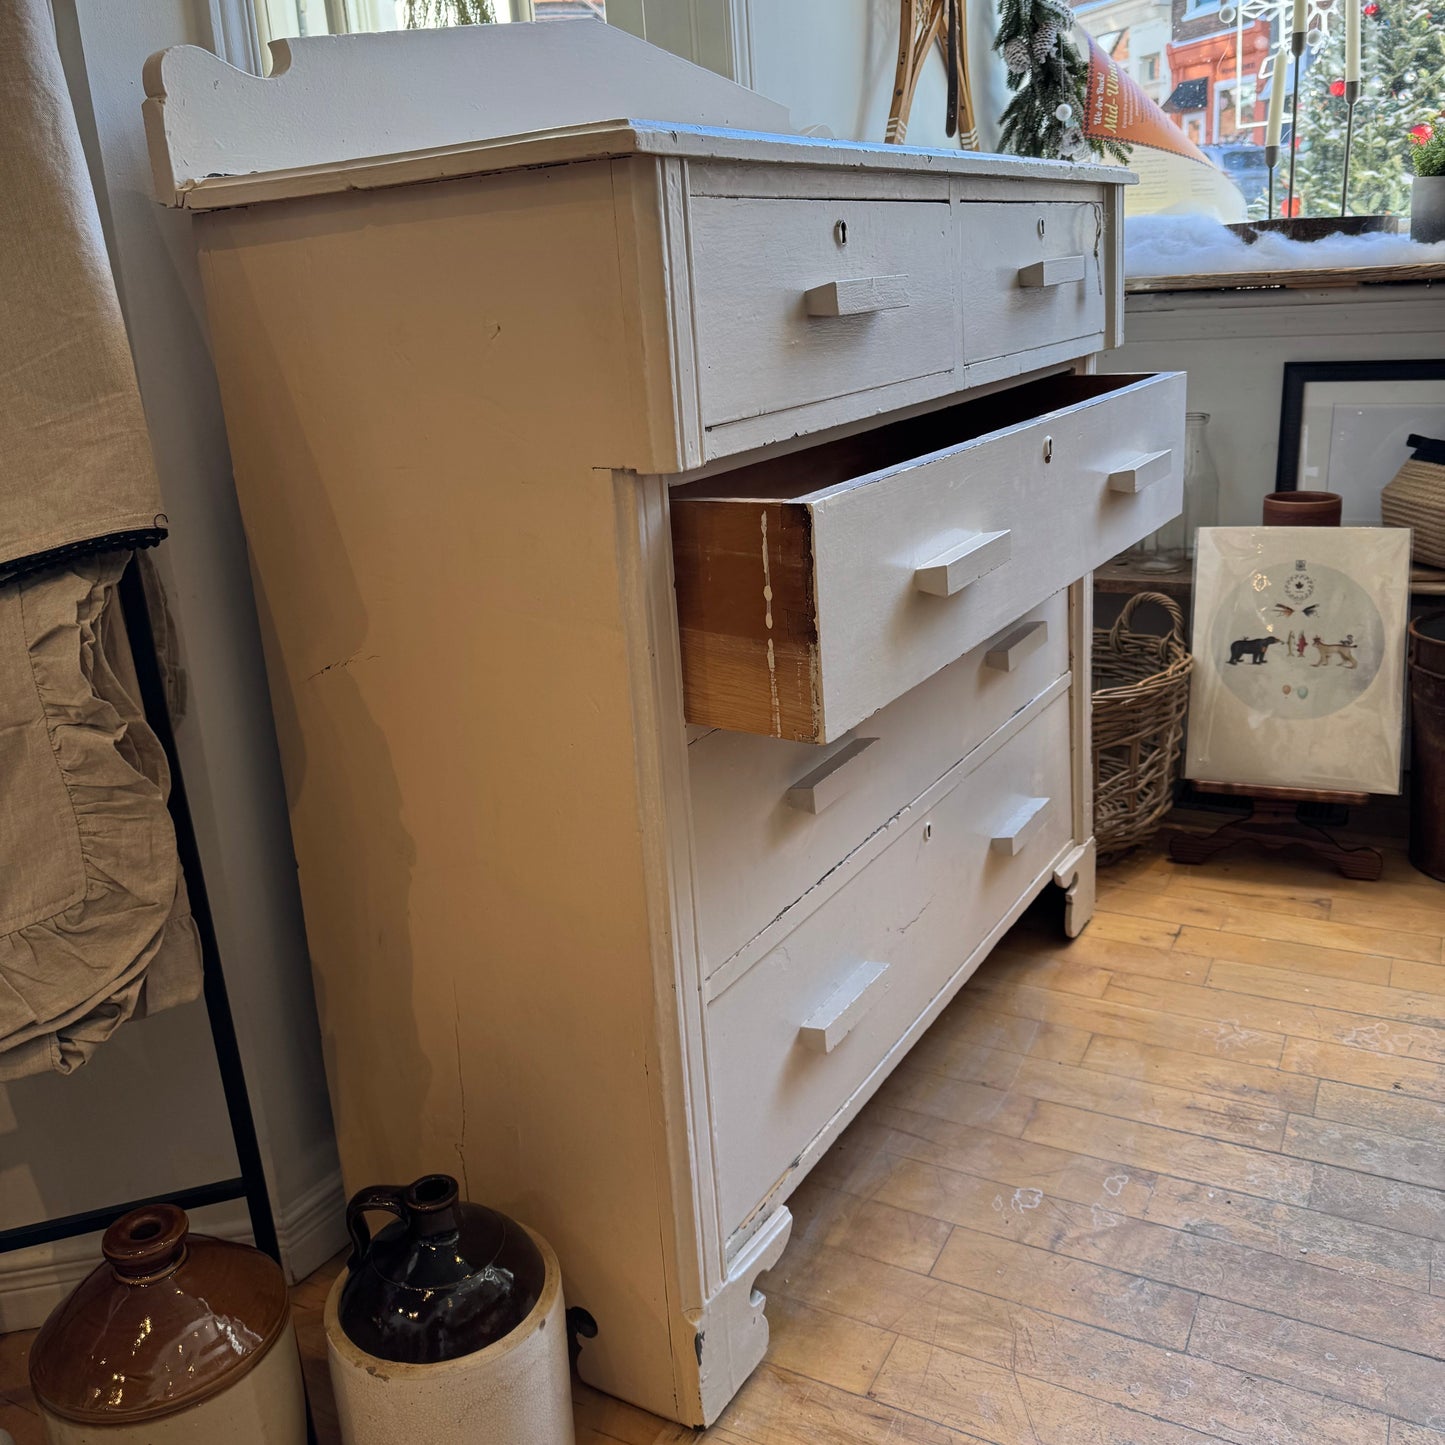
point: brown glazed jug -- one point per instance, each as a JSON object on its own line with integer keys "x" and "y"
{"x": 447, "y": 1279}
{"x": 176, "y": 1339}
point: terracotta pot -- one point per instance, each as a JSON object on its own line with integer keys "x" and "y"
{"x": 177, "y": 1338}
{"x": 448, "y": 1327}
{"x": 1303, "y": 509}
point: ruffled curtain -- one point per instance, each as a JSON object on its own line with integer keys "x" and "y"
{"x": 94, "y": 926}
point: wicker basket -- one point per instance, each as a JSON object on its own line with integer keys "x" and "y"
{"x": 1416, "y": 499}
{"x": 1141, "y": 694}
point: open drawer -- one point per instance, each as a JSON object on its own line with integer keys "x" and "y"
{"x": 815, "y": 588}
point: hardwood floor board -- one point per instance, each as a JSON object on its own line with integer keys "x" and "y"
{"x": 1164, "y": 907}
{"x": 1009, "y": 1163}
{"x": 1364, "y": 999}
{"x": 777, "y": 1407}
{"x": 1396, "y": 910}
{"x": 1222, "y": 1078}
{"x": 1064, "y": 1417}
{"x": 1151, "y": 1103}
{"x": 605, "y": 1418}
{"x": 1389, "y": 1203}
{"x": 1402, "y": 1432}
{"x": 1366, "y": 1150}
{"x": 1074, "y": 1289}
{"x": 1151, "y": 1025}
{"x": 1060, "y": 1044}
{"x": 1198, "y": 1394}
{"x": 1387, "y": 1111}
{"x": 1134, "y": 932}
{"x": 1270, "y": 953}
{"x": 1375, "y": 1377}
{"x": 857, "y": 1160}
{"x": 879, "y": 1230}
{"x": 960, "y": 1391}
{"x": 1387, "y": 1072}
{"x": 1345, "y": 937}
{"x": 1292, "y": 1232}
{"x": 1095, "y": 948}
{"x": 1417, "y": 977}
{"x": 1004, "y": 1111}
{"x": 1234, "y": 1013}
{"x": 1301, "y": 904}
{"x": 967, "y": 1021}
{"x": 1057, "y": 973}
{"x": 1191, "y": 1156}
{"x": 1276, "y": 1276}
{"x": 826, "y": 1347}
{"x": 937, "y": 1053}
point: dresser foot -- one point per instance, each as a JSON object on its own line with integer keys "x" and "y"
{"x": 1075, "y": 875}
{"x": 732, "y": 1333}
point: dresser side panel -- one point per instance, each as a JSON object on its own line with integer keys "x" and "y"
{"x": 445, "y": 606}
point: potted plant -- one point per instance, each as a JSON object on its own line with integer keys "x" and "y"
{"x": 1427, "y": 194}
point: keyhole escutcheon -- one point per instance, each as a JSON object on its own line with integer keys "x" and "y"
{"x": 840, "y": 232}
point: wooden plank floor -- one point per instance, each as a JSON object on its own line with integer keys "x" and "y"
{"x": 1180, "y": 1181}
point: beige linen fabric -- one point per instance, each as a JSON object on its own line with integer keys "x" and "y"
{"x": 95, "y": 925}
{"x": 75, "y": 461}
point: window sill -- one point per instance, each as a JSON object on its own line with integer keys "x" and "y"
{"x": 1309, "y": 278}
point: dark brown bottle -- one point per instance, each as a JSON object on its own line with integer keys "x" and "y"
{"x": 448, "y": 1279}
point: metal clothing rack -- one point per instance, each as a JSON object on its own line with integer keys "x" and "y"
{"x": 250, "y": 1183}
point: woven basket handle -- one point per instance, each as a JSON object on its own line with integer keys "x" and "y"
{"x": 1171, "y": 608}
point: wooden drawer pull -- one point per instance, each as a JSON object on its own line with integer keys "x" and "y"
{"x": 1142, "y": 472}
{"x": 832, "y": 1022}
{"x": 1017, "y": 831}
{"x": 953, "y": 570}
{"x": 1010, "y": 650}
{"x": 828, "y": 781}
{"x": 858, "y": 296}
{"x": 1057, "y": 272}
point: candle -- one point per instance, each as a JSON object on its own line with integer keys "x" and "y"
{"x": 1276, "y": 98}
{"x": 1300, "y": 22}
{"x": 1352, "y": 40}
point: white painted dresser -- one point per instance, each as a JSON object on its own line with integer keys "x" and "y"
{"x": 672, "y": 544}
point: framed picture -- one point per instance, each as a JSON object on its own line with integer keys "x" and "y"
{"x": 1343, "y": 425}
{"x": 1299, "y": 657}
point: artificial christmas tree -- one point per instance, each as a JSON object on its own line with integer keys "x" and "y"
{"x": 1403, "y": 49}
{"x": 1049, "y": 78}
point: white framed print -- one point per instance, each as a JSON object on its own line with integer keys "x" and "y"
{"x": 1299, "y": 657}
{"x": 1345, "y": 427}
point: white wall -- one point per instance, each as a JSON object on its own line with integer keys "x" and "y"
{"x": 1234, "y": 345}
{"x": 147, "y": 1115}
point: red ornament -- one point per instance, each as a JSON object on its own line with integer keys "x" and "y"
{"x": 1419, "y": 134}
{"x": 1337, "y": 87}
{"x": 1372, "y": 9}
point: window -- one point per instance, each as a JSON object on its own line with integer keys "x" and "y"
{"x": 1210, "y": 66}
{"x": 276, "y": 19}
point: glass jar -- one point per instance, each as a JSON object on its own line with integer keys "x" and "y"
{"x": 1171, "y": 548}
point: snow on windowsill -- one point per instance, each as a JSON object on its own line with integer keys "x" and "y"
{"x": 1198, "y": 247}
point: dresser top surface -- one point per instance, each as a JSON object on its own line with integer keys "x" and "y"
{"x": 379, "y": 111}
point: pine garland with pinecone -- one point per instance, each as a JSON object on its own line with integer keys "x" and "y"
{"x": 1049, "y": 79}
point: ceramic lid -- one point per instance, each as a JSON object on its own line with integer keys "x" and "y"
{"x": 170, "y": 1319}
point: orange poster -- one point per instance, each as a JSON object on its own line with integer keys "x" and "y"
{"x": 1119, "y": 110}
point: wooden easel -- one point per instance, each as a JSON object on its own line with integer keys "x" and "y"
{"x": 921, "y": 25}
{"x": 1273, "y": 824}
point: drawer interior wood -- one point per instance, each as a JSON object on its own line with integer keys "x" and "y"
{"x": 853, "y": 461}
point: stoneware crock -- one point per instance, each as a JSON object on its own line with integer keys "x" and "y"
{"x": 176, "y": 1339}
{"x": 1427, "y": 208}
{"x": 1303, "y": 509}
{"x": 448, "y": 1326}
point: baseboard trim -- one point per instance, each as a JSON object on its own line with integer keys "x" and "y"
{"x": 313, "y": 1227}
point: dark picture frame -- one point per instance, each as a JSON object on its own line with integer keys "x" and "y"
{"x": 1298, "y": 376}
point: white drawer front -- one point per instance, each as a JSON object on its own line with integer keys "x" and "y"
{"x": 814, "y": 589}
{"x": 800, "y": 301}
{"x": 1033, "y": 276}
{"x": 797, "y": 1037}
{"x": 760, "y": 846}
